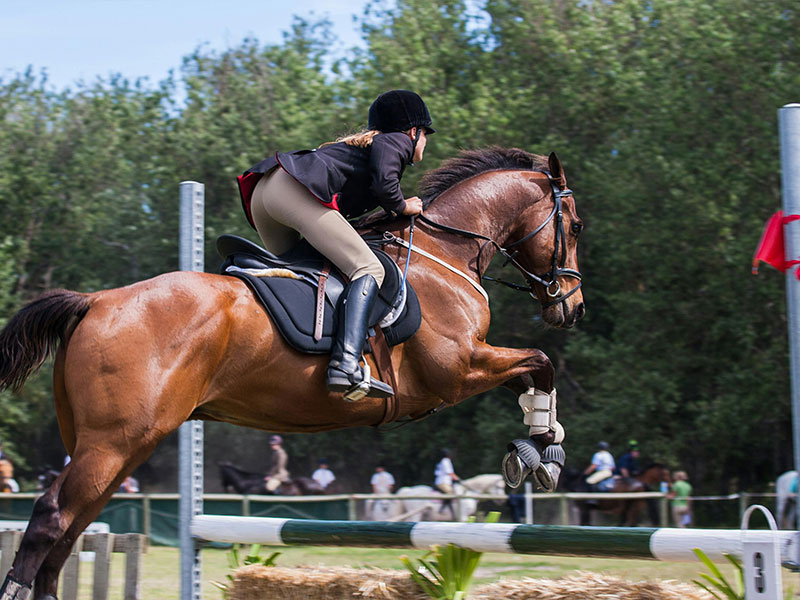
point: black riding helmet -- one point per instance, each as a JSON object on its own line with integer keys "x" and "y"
{"x": 399, "y": 110}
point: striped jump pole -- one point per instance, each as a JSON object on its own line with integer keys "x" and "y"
{"x": 601, "y": 542}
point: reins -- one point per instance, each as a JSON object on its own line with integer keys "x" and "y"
{"x": 548, "y": 280}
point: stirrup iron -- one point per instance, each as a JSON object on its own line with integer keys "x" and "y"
{"x": 360, "y": 389}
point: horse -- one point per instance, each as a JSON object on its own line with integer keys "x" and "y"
{"x": 628, "y": 510}
{"x": 246, "y": 482}
{"x": 786, "y": 495}
{"x": 133, "y": 363}
{"x": 435, "y": 509}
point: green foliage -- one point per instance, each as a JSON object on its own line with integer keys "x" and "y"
{"x": 253, "y": 557}
{"x": 717, "y": 580}
{"x": 663, "y": 112}
{"x": 449, "y": 575}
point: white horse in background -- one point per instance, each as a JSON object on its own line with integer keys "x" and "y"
{"x": 786, "y": 492}
{"x": 434, "y": 508}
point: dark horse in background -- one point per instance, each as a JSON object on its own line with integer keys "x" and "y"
{"x": 133, "y": 363}
{"x": 628, "y": 510}
{"x": 240, "y": 481}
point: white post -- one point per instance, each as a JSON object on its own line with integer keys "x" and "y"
{"x": 190, "y": 434}
{"x": 528, "y": 503}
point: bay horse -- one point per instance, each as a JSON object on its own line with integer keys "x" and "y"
{"x": 133, "y": 363}
{"x": 246, "y": 482}
{"x": 628, "y": 510}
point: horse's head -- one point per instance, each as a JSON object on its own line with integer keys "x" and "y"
{"x": 545, "y": 250}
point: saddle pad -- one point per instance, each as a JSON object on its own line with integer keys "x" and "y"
{"x": 291, "y": 300}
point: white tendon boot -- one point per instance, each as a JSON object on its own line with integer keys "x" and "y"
{"x": 524, "y": 455}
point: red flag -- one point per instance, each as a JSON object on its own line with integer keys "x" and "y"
{"x": 770, "y": 248}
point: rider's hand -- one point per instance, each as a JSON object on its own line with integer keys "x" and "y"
{"x": 413, "y": 206}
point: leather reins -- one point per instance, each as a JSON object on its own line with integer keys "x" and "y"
{"x": 548, "y": 280}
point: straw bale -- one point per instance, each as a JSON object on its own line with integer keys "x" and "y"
{"x": 588, "y": 586}
{"x": 256, "y": 582}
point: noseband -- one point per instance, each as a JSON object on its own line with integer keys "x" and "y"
{"x": 548, "y": 280}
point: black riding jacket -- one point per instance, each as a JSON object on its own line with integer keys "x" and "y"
{"x": 345, "y": 178}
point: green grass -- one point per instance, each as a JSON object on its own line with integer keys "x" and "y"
{"x": 161, "y": 568}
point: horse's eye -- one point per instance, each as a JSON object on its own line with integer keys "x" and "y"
{"x": 577, "y": 228}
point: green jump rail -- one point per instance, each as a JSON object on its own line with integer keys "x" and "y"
{"x": 603, "y": 542}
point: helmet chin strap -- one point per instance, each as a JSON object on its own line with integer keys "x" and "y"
{"x": 414, "y": 141}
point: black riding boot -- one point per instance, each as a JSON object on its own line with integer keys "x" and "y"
{"x": 345, "y": 374}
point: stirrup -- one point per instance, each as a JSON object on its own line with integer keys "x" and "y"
{"x": 368, "y": 387}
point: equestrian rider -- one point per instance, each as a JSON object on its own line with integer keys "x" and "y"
{"x": 602, "y": 467}
{"x": 312, "y": 193}
{"x": 628, "y": 463}
{"x": 278, "y": 473}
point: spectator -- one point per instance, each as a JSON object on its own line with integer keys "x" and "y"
{"x": 323, "y": 475}
{"x": 681, "y": 500}
{"x": 129, "y": 486}
{"x": 601, "y": 471}
{"x": 277, "y": 473}
{"x": 444, "y": 473}
{"x": 8, "y": 485}
{"x": 3, "y": 455}
{"x": 382, "y": 481}
{"x": 628, "y": 463}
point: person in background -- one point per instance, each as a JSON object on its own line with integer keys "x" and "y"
{"x": 8, "y": 485}
{"x": 444, "y": 474}
{"x": 681, "y": 499}
{"x": 130, "y": 485}
{"x": 382, "y": 481}
{"x": 3, "y": 455}
{"x": 444, "y": 477}
{"x": 601, "y": 471}
{"x": 278, "y": 473}
{"x": 323, "y": 475}
{"x": 628, "y": 463}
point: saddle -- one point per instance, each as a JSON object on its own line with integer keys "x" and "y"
{"x": 288, "y": 287}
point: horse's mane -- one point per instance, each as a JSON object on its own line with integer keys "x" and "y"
{"x": 468, "y": 163}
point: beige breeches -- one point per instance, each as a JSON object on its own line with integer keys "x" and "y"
{"x": 283, "y": 210}
{"x": 446, "y": 488}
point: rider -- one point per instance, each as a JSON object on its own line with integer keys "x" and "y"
{"x": 444, "y": 476}
{"x": 628, "y": 463}
{"x": 312, "y": 193}
{"x": 277, "y": 473}
{"x": 601, "y": 470}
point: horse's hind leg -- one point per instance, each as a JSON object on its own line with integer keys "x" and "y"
{"x": 63, "y": 512}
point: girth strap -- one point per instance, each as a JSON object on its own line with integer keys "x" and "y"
{"x": 383, "y": 360}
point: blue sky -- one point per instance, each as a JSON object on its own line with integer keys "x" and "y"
{"x": 82, "y": 39}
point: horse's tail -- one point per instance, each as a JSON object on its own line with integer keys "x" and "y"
{"x": 35, "y": 331}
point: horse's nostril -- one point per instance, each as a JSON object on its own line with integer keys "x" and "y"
{"x": 580, "y": 311}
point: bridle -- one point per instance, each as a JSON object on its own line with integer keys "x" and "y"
{"x": 548, "y": 280}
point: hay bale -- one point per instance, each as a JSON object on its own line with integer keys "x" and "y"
{"x": 256, "y": 582}
{"x": 588, "y": 586}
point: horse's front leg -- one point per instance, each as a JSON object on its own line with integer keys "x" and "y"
{"x": 530, "y": 374}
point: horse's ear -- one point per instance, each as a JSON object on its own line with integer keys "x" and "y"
{"x": 556, "y": 170}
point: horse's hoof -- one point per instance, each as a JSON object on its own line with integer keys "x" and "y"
{"x": 14, "y": 590}
{"x": 522, "y": 459}
{"x": 546, "y": 476}
{"x": 548, "y": 473}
